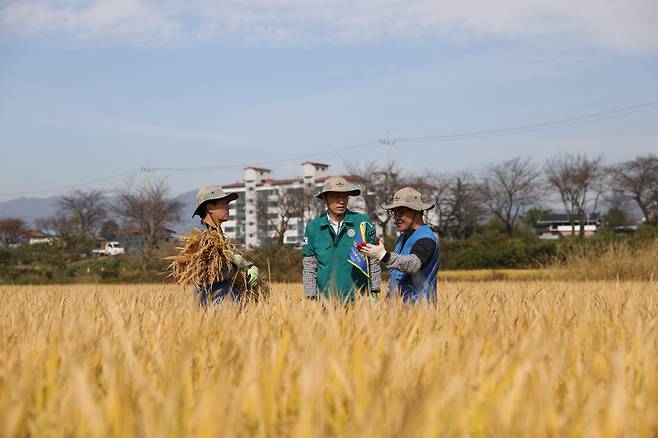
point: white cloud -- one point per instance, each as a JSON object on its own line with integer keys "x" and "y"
{"x": 627, "y": 25}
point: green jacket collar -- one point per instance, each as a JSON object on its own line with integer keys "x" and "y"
{"x": 349, "y": 218}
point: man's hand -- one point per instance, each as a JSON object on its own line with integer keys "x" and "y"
{"x": 377, "y": 252}
{"x": 237, "y": 260}
{"x": 253, "y": 276}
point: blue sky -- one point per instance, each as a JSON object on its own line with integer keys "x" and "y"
{"x": 96, "y": 90}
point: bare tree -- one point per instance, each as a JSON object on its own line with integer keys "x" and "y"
{"x": 463, "y": 205}
{"x": 457, "y": 202}
{"x": 63, "y": 226}
{"x": 579, "y": 181}
{"x": 312, "y": 206}
{"x": 379, "y": 184}
{"x": 87, "y": 208}
{"x": 508, "y": 188}
{"x": 637, "y": 180}
{"x": 290, "y": 203}
{"x": 109, "y": 230}
{"x": 11, "y": 230}
{"x": 150, "y": 209}
{"x": 70, "y": 243}
{"x": 435, "y": 188}
{"x": 618, "y": 208}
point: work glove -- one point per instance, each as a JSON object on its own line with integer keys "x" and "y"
{"x": 376, "y": 252}
{"x": 237, "y": 260}
{"x": 253, "y": 276}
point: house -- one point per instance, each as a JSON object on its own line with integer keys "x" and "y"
{"x": 133, "y": 237}
{"x": 557, "y": 226}
{"x": 35, "y": 237}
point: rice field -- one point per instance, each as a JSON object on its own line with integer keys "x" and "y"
{"x": 497, "y": 358}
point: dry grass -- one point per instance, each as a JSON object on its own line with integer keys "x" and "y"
{"x": 205, "y": 257}
{"x": 496, "y": 358}
{"x": 499, "y": 274}
{"x": 618, "y": 261}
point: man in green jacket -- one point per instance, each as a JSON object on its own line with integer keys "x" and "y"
{"x": 327, "y": 243}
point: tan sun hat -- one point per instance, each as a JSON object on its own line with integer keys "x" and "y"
{"x": 211, "y": 193}
{"x": 410, "y": 198}
{"x": 340, "y": 185}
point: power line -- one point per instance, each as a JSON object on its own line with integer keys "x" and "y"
{"x": 522, "y": 129}
{"x": 357, "y": 147}
{"x": 107, "y": 179}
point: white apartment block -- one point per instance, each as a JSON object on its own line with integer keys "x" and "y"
{"x": 259, "y": 196}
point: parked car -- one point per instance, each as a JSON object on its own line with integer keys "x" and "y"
{"x": 109, "y": 249}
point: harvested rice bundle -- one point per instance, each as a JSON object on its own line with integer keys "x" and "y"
{"x": 205, "y": 258}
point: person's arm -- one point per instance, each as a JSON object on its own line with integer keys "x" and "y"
{"x": 375, "y": 268}
{"x": 310, "y": 266}
{"x": 421, "y": 254}
{"x": 242, "y": 264}
{"x": 375, "y": 275}
{"x": 404, "y": 263}
{"x": 309, "y": 277}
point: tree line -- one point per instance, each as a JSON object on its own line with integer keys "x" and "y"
{"x": 518, "y": 189}
{"x": 511, "y": 192}
{"x": 84, "y": 216}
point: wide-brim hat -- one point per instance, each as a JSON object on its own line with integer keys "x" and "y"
{"x": 211, "y": 193}
{"x": 410, "y": 198}
{"x": 340, "y": 185}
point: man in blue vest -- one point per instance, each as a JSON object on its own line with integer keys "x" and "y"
{"x": 213, "y": 209}
{"x": 414, "y": 264}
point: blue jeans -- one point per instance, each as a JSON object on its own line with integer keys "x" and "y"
{"x": 216, "y": 294}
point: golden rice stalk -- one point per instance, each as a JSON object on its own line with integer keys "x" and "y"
{"x": 205, "y": 257}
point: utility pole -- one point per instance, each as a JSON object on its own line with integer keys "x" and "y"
{"x": 389, "y": 148}
{"x": 148, "y": 170}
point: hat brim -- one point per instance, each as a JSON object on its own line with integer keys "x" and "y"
{"x": 355, "y": 192}
{"x": 198, "y": 211}
{"x": 420, "y": 206}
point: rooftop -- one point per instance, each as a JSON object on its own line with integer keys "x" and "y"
{"x": 560, "y": 217}
{"x": 34, "y": 234}
{"x": 350, "y": 178}
{"x": 234, "y": 185}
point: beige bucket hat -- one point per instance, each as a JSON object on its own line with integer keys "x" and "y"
{"x": 338, "y": 184}
{"x": 410, "y": 198}
{"x": 211, "y": 193}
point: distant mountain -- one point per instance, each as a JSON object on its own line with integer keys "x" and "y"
{"x": 189, "y": 202}
{"x": 30, "y": 209}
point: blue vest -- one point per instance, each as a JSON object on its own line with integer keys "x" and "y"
{"x": 421, "y": 284}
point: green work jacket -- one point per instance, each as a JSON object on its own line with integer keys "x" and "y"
{"x": 335, "y": 276}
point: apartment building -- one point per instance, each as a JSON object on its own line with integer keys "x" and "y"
{"x": 255, "y": 215}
